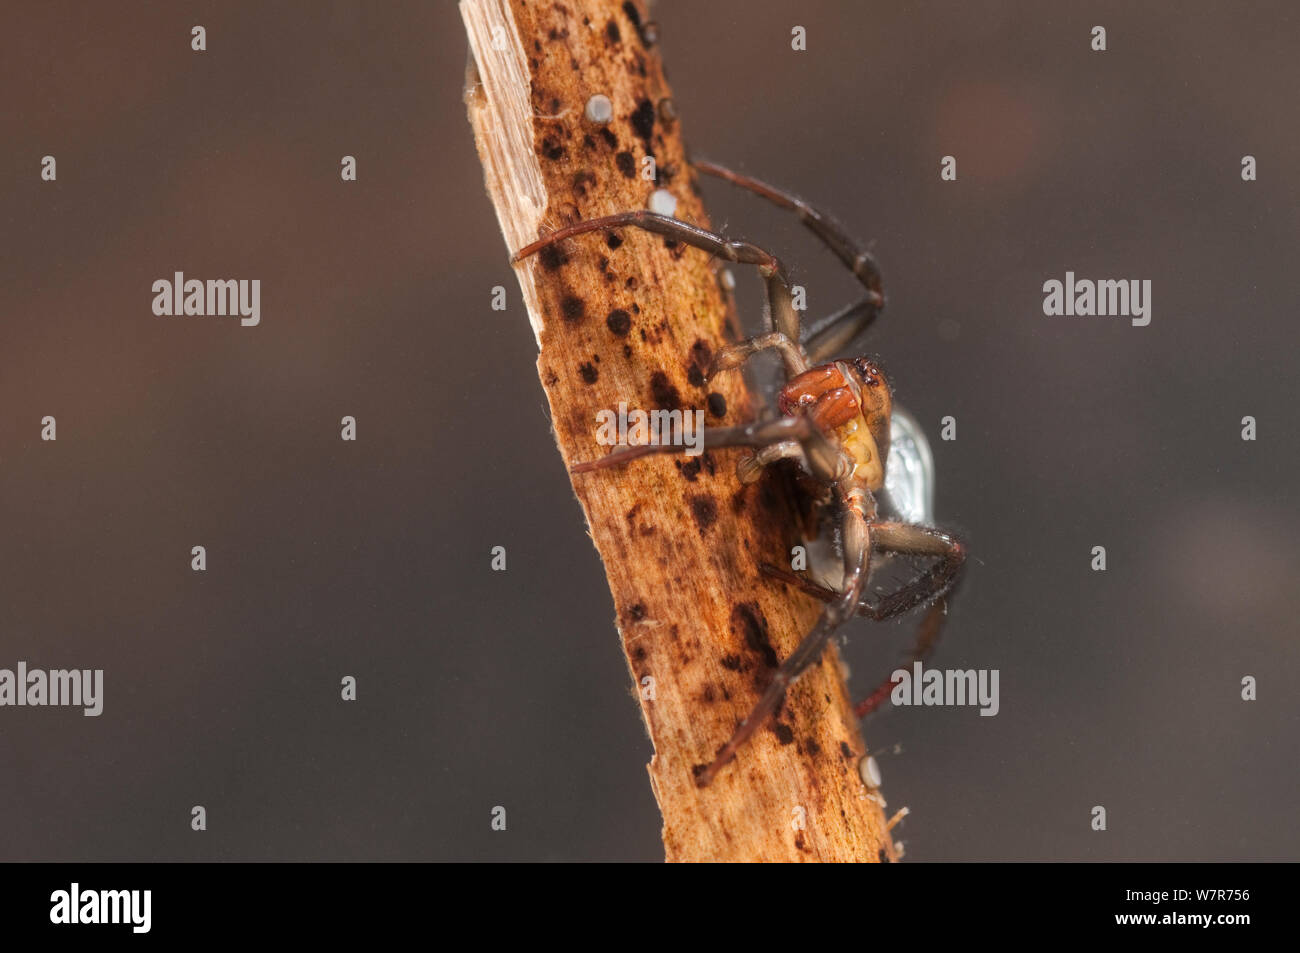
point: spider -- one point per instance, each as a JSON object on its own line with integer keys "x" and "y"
{"x": 834, "y": 423}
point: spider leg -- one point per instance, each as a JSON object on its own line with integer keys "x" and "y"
{"x": 894, "y": 537}
{"x": 833, "y": 333}
{"x": 734, "y": 355}
{"x": 927, "y": 636}
{"x": 779, "y": 296}
{"x": 751, "y": 468}
{"x": 758, "y": 434}
{"x": 935, "y": 584}
{"x": 938, "y": 580}
{"x": 857, "y": 550}
{"x": 856, "y": 258}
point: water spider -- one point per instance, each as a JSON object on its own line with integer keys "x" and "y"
{"x": 833, "y": 422}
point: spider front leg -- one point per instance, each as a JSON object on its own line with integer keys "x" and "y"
{"x": 833, "y": 333}
{"x": 836, "y": 331}
{"x": 779, "y": 296}
{"x": 855, "y": 257}
{"x": 857, "y": 548}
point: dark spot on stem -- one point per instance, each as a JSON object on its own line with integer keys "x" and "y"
{"x": 732, "y": 662}
{"x": 619, "y": 322}
{"x": 784, "y": 733}
{"x": 846, "y": 750}
{"x": 643, "y": 122}
{"x": 626, "y": 164}
{"x": 552, "y": 257}
{"x": 589, "y": 373}
{"x": 705, "y": 511}
{"x": 666, "y": 396}
{"x": 690, "y": 469}
{"x": 748, "y": 622}
{"x": 573, "y": 308}
{"x": 701, "y": 354}
{"x": 611, "y": 140}
{"x": 612, "y": 32}
{"x": 637, "y": 612}
{"x": 717, "y": 405}
{"x": 613, "y": 240}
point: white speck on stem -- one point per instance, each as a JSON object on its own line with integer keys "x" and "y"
{"x": 663, "y": 202}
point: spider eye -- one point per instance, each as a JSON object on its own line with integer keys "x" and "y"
{"x": 870, "y": 371}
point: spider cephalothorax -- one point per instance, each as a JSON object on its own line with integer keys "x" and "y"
{"x": 851, "y": 401}
{"x": 835, "y": 418}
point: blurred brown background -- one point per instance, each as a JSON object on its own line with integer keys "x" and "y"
{"x": 371, "y": 559}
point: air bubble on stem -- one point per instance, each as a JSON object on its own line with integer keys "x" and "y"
{"x": 869, "y": 771}
{"x": 600, "y": 109}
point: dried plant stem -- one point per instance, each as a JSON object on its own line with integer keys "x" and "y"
{"x": 633, "y": 318}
